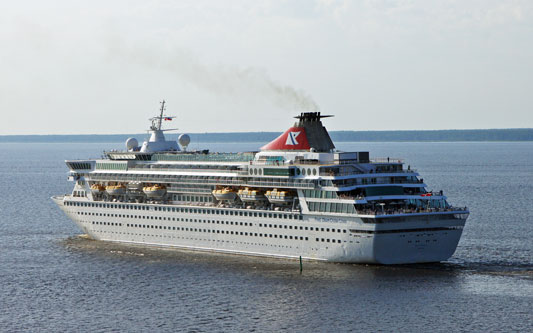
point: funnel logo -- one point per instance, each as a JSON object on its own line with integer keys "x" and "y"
{"x": 291, "y": 138}
{"x": 294, "y": 138}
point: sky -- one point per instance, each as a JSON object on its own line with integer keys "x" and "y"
{"x": 102, "y": 67}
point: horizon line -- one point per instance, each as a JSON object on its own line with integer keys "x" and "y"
{"x": 332, "y": 131}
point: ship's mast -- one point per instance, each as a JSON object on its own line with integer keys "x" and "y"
{"x": 156, "y": 121}
{"x": 161, "y": 115}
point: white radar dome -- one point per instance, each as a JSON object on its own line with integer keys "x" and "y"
{"x": 132, "y": 143}
{"x": 184, "y": 140}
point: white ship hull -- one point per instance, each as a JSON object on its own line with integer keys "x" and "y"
{"x": 347, "y": 240}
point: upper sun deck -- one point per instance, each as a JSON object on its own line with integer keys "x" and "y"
{"x": 325, "y": 164}
{"x": 304, "y": 150}
{"x": 194, "y": 156}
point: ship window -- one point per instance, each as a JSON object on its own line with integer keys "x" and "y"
{"x": 303, "y": 172}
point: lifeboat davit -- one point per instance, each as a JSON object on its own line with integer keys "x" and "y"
{"x": 115, "y": 189}
{"x": 279, "y": 197}
{"x": 155, "y": 191}
{"x": 97, "y": 188}
{"x": 225, "y": 194}
{"x": 135, "y": 186}
{"x": 248, "y": 195}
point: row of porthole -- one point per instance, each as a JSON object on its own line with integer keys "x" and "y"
{"x": 299, "y": 171}
{"x": 200, "y": 239}
{"x": 304, "y": 172}
{"x": 256, "y": 172}
{"x": 213, "y": 231}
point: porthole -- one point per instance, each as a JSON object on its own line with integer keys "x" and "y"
{"x": 314, "y": 172}
{"x": 303, "y": 172}
{"x": 260, "y": 172}
{"x": 309, "y": 172}
{"x": 298, "y": 172}
{"x": 255, "y": 171}
{"x": 251, "y": 171}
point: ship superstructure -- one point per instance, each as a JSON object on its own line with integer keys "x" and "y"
{"x": 296, "y": 197}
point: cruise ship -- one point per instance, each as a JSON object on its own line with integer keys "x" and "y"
{"x": 296, "y": 197}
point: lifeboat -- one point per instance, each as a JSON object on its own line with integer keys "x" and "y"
{"x": 115, "y": 189}
{"x": 248, "y": 195}
{"x": 97, "y": 188}
{"x": 155, "y": 191}
{"x": 279, "y": 197}
{"x": 225, "y": 194}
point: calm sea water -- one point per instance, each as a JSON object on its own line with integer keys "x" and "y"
{"x": 53, "y": 280}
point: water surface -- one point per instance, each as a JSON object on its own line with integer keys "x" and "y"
{"x": 54, "y": 280}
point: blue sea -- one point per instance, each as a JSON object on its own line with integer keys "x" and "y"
{"x": 53, "y": 280}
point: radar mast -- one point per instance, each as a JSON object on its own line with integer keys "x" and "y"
{"x": 157, "y": 121}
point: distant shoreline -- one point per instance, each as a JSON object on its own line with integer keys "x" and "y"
{"x": 490, "y": 135}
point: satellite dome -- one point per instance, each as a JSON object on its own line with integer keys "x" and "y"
{"x": 184, "y": 140}
{"x": 132, "y": 144}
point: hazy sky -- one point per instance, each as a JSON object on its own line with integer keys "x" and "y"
{"x": 103, "y": 66}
